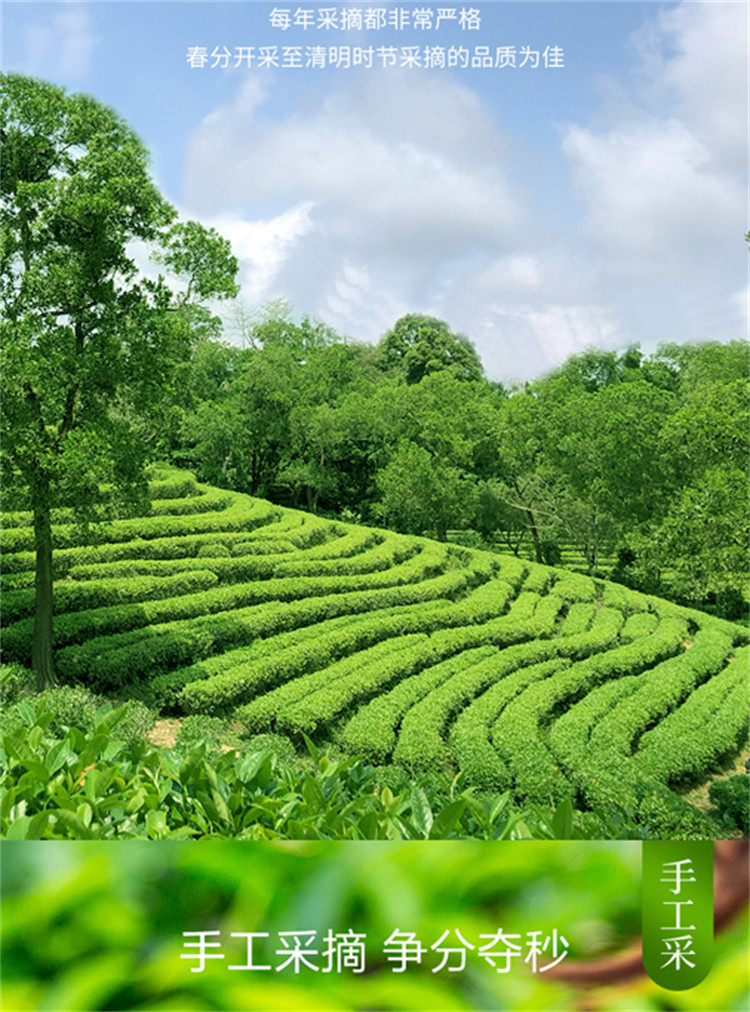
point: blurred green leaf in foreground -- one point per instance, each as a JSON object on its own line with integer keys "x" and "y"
{"x": 92, "y": 926}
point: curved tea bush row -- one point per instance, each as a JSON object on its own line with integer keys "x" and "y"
{"x": 470, "y": 735}
{"x": 76, "y": 627}
{"x": 578, "y": 618}
{"x": 115, "y": 661}
{"x": 322, "y": 706}
{"x": 243, "y": 513}
{"x": 518, "y": 729}
{"x": 574, "y": 587}
{"x": 421, "y": 737}
{"x": 171, "y": 483}
{"x": 245, "y": 567}
{"x": 470, "y": 740}
{"x": 185, "y": 502}
{"x": 524, "y": 605}
{"x": 183, "y": 547}
{"x": 227, "y": 687}
{"x": 285, "y": 655}
{"x": 206, "y": 501}
{"x": 614, "y": 595}
{"x": 682, "y": 740}
{"x": 551, "y": 685}
{"x": 639, "y": 624}
{"x": 238, "y": 569}
{"x": 72, "y": 597}
{"x": 388, "y": 553}
{"x": 504, "y": 674}
{"x": 372, "y": 730}
{"x": 315, "y": 699}
{"x": 263, "y": 546}
{"x": 570, "y": 734}
{"x": 659, "y": 691}
{"x": 485, "y": 601}
{"x": 679, "y": 745}
{"x": 341, "y": 544}
{"x": 538, "y": 578}
{"x": 262, "y": 559}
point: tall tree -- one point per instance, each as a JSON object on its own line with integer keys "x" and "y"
{"x": 89, "y": 342}
{"x": 419, "y": 345}
{"x": 422, "y": 494}
{"x": 240, "y": 438}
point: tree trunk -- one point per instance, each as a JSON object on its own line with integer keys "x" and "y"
{"x": 41, "y": 647}
{"x": 535, "y": 538}
{"x": 531, "y": 522}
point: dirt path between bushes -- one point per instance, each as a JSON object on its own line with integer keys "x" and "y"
{"x": 164, "y": 732}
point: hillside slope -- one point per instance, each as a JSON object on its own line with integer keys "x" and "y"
{"x": 397, "y": 648}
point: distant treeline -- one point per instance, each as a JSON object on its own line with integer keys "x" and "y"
{"x": 637, "y": 460}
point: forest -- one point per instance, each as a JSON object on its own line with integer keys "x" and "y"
{"x": 628, "y": 466}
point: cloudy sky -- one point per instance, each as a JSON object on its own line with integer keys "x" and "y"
{"x": 537, "y": 209}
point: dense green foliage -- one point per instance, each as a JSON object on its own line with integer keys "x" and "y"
{"x": 92, "y": 776}
{"x": 628, "y": 466}
{"x": 439, "y": 637}
{"x": 549, "y": 687}
{"x": 89, "y": 342}
{"x": 731, "y": 798}
{"x": 98, "y": 926}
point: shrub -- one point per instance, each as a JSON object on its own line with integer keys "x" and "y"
{"x": 73, "y": 706}
{"x": 180, "y": 486}
{"x": 578, "y": 618}
{"x": 15, "y": 682}
{"x": 277, "y": 744}
{"x": 678, "y": 748}
{"x": 200, "y": 729}
{"x": 77, "y": 596}
{"x": 551, "y": 553}
{"x": 639, "y": 624}
{"x": 138, "y": 719}
{"x": 730, "y": 604}
{"x": 213, "y": 551}
{"x": 731, "y": 799}
{"x": 81, "y": 787}
{"x": 372, "y": 730}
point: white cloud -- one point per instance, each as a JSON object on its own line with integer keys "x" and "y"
{"x": 740, "y": 309}
{"x": 262, "y": 246}
{"x": 60, "y": 49}
{"x": 695, "y": 55}
{"x": 516, "y": 273}
{"x": 520, "y": 340}
{"x": 381, "y": 188}
{"x": 394, "y": 194}
{"x": 353, "y": 296}
{"x": 654, "y": 190}
{"x": 664, "y": 184}
{"x": 665, "y": 187}
{"x": 391, "y": 169}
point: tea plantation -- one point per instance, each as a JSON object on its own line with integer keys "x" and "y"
{"x": 408, "y": 652}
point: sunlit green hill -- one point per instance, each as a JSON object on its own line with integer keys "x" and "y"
{"x": 401, "y": 649}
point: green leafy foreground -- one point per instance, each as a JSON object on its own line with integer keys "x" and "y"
{"x": 65, "y": 782}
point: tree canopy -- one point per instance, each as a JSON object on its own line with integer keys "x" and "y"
{"x": 420, "y": 345}
{"x": 89, "y": 339}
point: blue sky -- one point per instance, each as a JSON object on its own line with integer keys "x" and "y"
{"x": 537, "y": 210}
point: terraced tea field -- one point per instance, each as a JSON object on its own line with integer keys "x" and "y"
{"x": 400, "y": 649}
